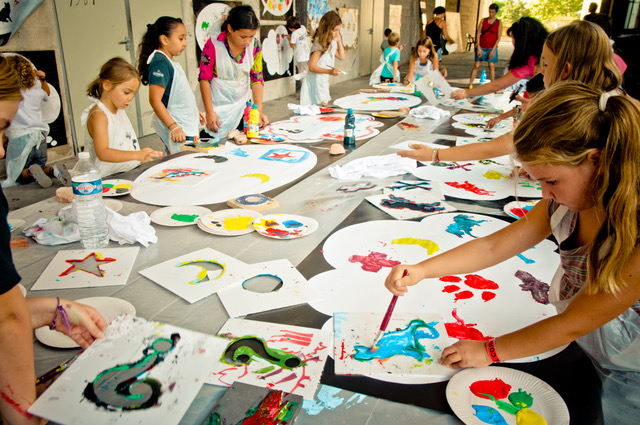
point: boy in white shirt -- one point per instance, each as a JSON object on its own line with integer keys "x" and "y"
{"x": 299, "y": 42}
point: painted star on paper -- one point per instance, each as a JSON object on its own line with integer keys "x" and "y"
{"x": 90, "y": 264}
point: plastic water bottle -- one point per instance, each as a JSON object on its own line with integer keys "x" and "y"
{"x": 88, "y": 205}
{"x": 245, "y": 118}
{"x": 350, "y": 129}
{"x": 254, "y": 122}
{"x": 483, "y": 80}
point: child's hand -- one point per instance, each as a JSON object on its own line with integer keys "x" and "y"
{"x": 459, "y": 94}
{"x": 148, "y": 154}
{"x": 40, "y": 75}
{"x": 264, "y": 121}
{"x": 493, "y": 121}
{"x": 465, "y": 354}
{"x": 202, "y": 117}
{"x": 85, "y": 323}
{"x": 335, "y": 72}
{"x": 211, "y": 121}
{"x": 178, "y": 136}
{"x": 419, "y": 152}
{"x": 397, "y": 283}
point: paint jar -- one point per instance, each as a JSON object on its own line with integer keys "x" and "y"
{"x": 245, "y": 117}
{"x": 87, "y": 203}
{"x": 254, "y": 122}
{"x": 350, "y": 129}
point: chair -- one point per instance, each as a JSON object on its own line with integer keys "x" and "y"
{"x": 471, "y": 42}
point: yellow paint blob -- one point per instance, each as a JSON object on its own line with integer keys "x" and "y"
{"x": 494, "y": 175}
{"x": 430, "y": 246}
{"x": 262, "y": 177}
{"x": 529, "y": 417}
{"x": 237, "y": 223}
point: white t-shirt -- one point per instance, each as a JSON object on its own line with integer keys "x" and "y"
{"x": 29, "y": 115}
{"x": 300, "y": 40}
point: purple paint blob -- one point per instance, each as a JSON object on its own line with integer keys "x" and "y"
{"x": 374, "y": 261}
{"x": 539, "y": 290}
{"x": 397, "y": 203}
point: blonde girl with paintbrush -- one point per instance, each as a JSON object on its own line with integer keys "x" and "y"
{"x": 583, "y": 145}
{"x": 579, "y": 51}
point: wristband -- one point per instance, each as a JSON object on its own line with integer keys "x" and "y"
{"x": 177, "y": 128}
{"x": 491, "y": 349}
{"x": 171, "y": 125}
{"x": 63, "y": 316}
{"x": 434, "y": 156}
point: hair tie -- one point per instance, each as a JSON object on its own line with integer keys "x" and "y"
{"x": 604, "y": 98}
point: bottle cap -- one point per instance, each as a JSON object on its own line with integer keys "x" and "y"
{"x": 254, "y": 107}
{"x": 349, "y": 111}
{"x": 83, "y": 155}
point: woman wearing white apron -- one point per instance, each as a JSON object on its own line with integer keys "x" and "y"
{"x": 583, "y": 147}
{"x": 231, "y": 72}
{"x": 170, "y": 94}
{"x": 325, "y": 48}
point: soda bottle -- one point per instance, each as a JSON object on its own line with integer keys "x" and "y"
{"x": 87, "y": 203}
{"x": 254, "y": 122}
{"x": 350, "y": 129}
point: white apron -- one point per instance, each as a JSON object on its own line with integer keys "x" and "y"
{"x": 614, "y": 348}
{"x": 121, "y": 137}
{"x": 315, "y": 88}
{"x": 420, "y": 70}
{"x": 182, "y": 107}
{"x": 231, "y": 89}
{"x": 376, "y": 75}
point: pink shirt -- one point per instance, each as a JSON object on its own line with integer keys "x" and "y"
{"x": 526, "y": 70}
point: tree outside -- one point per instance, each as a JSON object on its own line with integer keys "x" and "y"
{"x": 548, "y": 12}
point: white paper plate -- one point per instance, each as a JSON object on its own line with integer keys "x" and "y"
{"x": 546, "y": 401}
{"x": 116, "y": 187}
{"x": 451, "y": 47}
{"x": 231, "y": 222}
{"x": 518, "y": 209}
{"x": 285, "y": 226}
{"x": 168, "y": 216}
{"x": 108, "y": 307}
{"x": 14, "y": 223}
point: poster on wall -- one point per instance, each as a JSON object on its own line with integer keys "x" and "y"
{"x": 315, "y": 10}
{"x": 45, "y": 60}
{"x": 12, "y": 15}
{"x": 277, "y": 55}
{"x": 349, "y": 31}
{"x": 275, "y": 9}
{"x": 209, "y": 15}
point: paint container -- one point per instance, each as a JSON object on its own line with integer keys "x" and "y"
{"x": 254, "y": 122}
{"x": 350, "y": 130}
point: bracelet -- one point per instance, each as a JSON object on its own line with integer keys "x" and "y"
{"x": 434, "y": 156}
{"x": 63, "y": 316}
{"x": 177, "y": 128}
{"x": 171, "y": 125}
{"x": 491, "y": 349}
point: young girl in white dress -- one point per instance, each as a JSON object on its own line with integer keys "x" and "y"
{"x": 423, "y": 59}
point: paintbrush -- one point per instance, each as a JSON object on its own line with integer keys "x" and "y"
{"x": 341, "y": 71}
{"x": 385, "y": 320}
{"x": 58, "y": 369}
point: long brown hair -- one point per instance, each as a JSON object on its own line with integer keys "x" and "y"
{"x": 24, "y": 69}
{"x": 585, "y": 46}
{"x": 324, "y": 32}
{"x": 116, "y": 71}
{"x": 561, "y": 127}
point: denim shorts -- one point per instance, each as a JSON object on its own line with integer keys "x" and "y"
{"x": 485, "y": 56}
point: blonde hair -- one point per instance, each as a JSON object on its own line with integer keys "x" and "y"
{"x": 324, "y": 32}
{"x": 563, "y": 126}
{"x": 9, "y": 82}
{"x": 393, "y": 39}
{"x": 116, "y": 71}
{"x": 585, "y": 46}
{"x": 24, "y": 69}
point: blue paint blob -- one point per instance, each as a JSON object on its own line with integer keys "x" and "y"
{"x": 326, "y": 399}
{"x": 401, "y": 342}
{"x": 488, "y": 415}
{"x": 239, "y": 152}
{"x": 292, "y": 224}
{"x": 462, "y": 225}
{"x": 525, "y": 259}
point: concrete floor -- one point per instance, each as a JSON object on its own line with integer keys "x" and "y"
{"x": 458, "y": 66}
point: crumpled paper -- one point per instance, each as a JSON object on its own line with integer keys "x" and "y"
{"x": 430, "y": 112}
{"x": 53, "y": 231}
{"x": 304, "y": 110}
{"x": 374, "y": 166}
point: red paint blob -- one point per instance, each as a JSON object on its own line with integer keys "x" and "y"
{"x": 374, "y": 261}
{"x": 478, "y": 282}
{"x": 450, "y": 288}
{"x": 518, "y": 212}
{"x": 497, "y": 388}
{"x": 487, "y": 296}
{"x": 470, "y": 188}
{"x": 463, "y": 295}
{"x": 451, "y": 279}
{"x": 461, "y": 330}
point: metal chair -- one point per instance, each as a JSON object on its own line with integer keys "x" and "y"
{"x": 471, "y": 42}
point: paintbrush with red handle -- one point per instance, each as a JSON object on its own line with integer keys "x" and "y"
{"x": 386, "y": 319}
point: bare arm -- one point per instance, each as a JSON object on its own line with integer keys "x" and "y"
{"x": 495, "y": 46}
{"x": 412, "y": 67}
{"x": 340, "y": 52}
{"x": 478, "y": 32}
{"x": 257, "y": 91}
{"x": 502, "y": 145}
{"x": 501, "y": 83}
{"x": 478, "y": 254}
{"x": 395, "y": 70}
{"x": 211, "y": 118}
{"x": 444, "y": 31}
{"x": 156, "y": 91}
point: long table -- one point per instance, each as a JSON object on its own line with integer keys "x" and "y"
{"x": 315, "y": 196}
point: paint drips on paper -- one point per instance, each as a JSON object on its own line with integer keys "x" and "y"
{"x": 248, "y": 348}
{"x": 374, "y": 261}
{"x": 461, "y": 330}
{"x": 539, "y": 290}
{"x": 478, "y": 282}
{"x": 396, "y": 202}
{"x": 494, "y": 175}
{"x": 177, "y": 174}
{"x": 202, "y": 275}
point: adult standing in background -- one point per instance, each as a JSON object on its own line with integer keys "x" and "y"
{"x": 437, "y": 28}
{"x": 592, "y": 12}
{"x": 488, "y": 36}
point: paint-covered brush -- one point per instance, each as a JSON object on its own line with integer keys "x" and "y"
{"x": 385, "y": 320}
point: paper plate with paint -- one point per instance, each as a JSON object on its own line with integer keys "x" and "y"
{"x": 395, "y": 87}
{"x": 388, "y": 114}
{"x": 378, "y": 101}
{"x": 231, "y": 222}
{"x": 116, "y": 187}
{"x": 518, "y": 209}
{"x": 499, "y": 395}
{"x": 285, "y": 226}
{"x": 178, "y": 216}
{"x": 108, "y": 307}
{"x": 14, "y": 223}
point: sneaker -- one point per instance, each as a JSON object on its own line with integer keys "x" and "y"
{"x": 61, "y": 173}
{"x": 40, "y": 176}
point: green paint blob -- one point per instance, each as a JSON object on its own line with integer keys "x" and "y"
{"x": 185, "y": 218}
{"x": 494, "y": 175}
{"x": 265, "y": 370}
{"x": 430, "y": 246}
{"x": 248, "y": 348}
